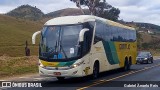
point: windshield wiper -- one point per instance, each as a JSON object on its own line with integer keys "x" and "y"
{"x": 60, "y": 44}
{"x": 58, "y": 48}
{"x": 54, "y": 51}
{"x": 63, "y": 51}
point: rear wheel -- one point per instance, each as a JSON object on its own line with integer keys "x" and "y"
{"x": 129, "y": 63}
{"x": 60, "y": 78}
{"x": 126, "y": 65}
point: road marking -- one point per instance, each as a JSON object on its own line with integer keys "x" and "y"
{"x": 38, "y": 78}
{"x": 107, "y": 80}
{"x": 23, "y": 77}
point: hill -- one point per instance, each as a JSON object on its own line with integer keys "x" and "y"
{"x": 155, "y": 29}
{"x": 32, "y": 13}
{"x": 14, "y": 32}
{"x": 66, "y": 12}
{"x": 26, "y": 12}
{"x": 143, "y": 26}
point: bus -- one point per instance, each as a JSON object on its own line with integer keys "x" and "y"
{"x": 78, "y": 46}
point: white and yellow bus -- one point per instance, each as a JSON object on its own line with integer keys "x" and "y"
{"x": 77, "y": 46}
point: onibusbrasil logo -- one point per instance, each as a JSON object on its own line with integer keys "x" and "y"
{"x": 21, "y": 84}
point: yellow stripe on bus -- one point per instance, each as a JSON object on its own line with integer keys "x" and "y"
{"x": 51, "y": 64}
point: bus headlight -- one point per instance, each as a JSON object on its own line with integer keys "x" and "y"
{"x": 76, "y": 64}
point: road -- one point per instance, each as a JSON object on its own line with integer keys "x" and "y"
{"x": 111, "y": 80}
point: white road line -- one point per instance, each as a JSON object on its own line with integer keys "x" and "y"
{"x": 24, "y": 77}
{"x": 38, "y": 78}
{"x": 4, "y": 88}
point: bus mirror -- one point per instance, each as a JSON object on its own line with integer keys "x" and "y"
{"x": 81, "y": 35}
{"x": 34, "y": 36}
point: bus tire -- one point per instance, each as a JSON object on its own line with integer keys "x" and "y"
{"x": 95, "y": 70}
{"x": 129, "y": 63}
{"x": 129, "y": 66}
{"x": 60, "y": 78}
{"x": 126, "y": 65}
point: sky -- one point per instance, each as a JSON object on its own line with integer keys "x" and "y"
{"x": 147, "y": 11}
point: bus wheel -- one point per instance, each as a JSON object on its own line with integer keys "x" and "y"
{"x": 129, "y": 63}
{"x": 95, "y": 70}
{"x": 126, "y": 65}
{"x": 129, "y": 66}
{"x": 60, "y": 78}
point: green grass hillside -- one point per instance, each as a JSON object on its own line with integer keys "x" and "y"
{"x": 13, "y": 34}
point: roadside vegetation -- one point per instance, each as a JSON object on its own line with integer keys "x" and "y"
{"x": 12, "y": 66}
{"x": 148, "y": 42}
{"x": 14, "y": 33}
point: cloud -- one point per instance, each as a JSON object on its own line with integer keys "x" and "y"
{"x": 4, "y": 9}
{"x": 53, "y": 6}
{"x": 122, "y": 2}
{"x": 45, "y": 5}
{"x": 147, "y": 11}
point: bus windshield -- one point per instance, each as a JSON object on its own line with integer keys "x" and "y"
{"x": 60, "y": 42}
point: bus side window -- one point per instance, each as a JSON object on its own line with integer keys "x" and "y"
{"x": 86, "y": 43}
{"x": 99, "y": 32}
{"x": 88, "y": 36}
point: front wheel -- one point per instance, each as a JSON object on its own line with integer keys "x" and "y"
{"x": 95, "y": 71}
{"x": 127, "y": 66}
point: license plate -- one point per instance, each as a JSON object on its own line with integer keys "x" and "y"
{"x": 57, "y": 73}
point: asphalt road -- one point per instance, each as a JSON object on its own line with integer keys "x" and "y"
{"x": 141, "y": 74}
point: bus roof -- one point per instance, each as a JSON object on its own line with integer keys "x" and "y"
{"x": 65, "y": 20}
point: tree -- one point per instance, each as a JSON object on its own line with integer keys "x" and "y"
{"x": 99, "y": 8}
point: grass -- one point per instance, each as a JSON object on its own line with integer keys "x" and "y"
{"x": 13, "y": 34}
{"x": 10, "y": 66}
{"x": 155, "y": 52}
{"x": 15, "y": 51}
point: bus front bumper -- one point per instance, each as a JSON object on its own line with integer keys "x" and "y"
{"x": 74, "y": 72}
